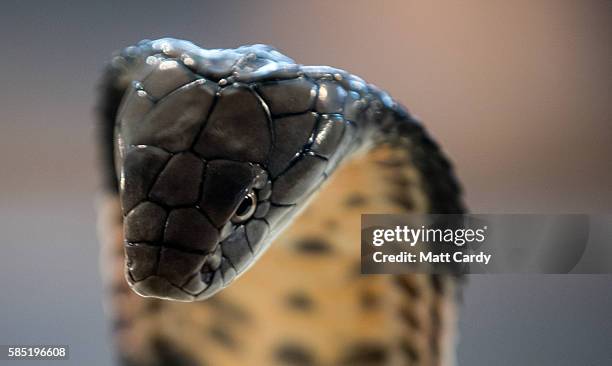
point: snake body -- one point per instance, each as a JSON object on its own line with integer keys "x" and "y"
{"x": 215, "y": 152}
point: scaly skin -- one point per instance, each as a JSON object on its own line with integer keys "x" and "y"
{"x": 196, "y": 131}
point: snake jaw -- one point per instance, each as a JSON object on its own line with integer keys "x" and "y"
{"x": 230, "y": 258}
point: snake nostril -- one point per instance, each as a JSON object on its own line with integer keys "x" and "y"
{"x": 207, "y": 276}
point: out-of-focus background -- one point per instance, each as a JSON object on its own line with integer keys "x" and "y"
{"x": 519, "y": 94}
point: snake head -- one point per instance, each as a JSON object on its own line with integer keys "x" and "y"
{"x": 211, "y": 169}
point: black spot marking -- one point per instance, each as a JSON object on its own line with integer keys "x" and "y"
{"x": 435, "y": 346}
{"x": 409, "y": 351}
{"x": 166, "y": 353}
{"x": 227, "y": 310}
{"x": 400, "y": 180}
{"x": 295, "y": 355}
{"x": 300, "y": 301}
{"x": 331, "y": 224}
{"x": 356, "y": 200}
{"x": 435, "y": 316}
{"x": 402, "y": 199}
{"x": 218, "y": 333}
{"x": 407, "y": 286}
{"x": 410, "y": 318}
{"x": 312, "y": 245}
{"x": 392, "y": 162}
{"x": 438, "y": 283}
{"x": 154, "y": 305}
{"x": 366, "y": 353}
{"x": 435, "y": 333}
{"x": 369, "y": 300}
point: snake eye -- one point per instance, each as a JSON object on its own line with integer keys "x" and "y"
{"x": 246, "y": 208}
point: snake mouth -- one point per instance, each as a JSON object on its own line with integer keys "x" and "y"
{"x": 174, "y": 274}
{"x": 177, "y": 273}
{"x": 175, "y": 278}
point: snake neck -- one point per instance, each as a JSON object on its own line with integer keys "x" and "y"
{"x": 387, "y": 125}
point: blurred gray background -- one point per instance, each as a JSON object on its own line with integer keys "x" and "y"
{"x": 519, "y": 93}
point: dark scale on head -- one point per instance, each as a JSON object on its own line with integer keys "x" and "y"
{"x": 179, "y": 182}
{"x": 313, "y": 246}
{"x": 224, "y": 134}
{"x": 290, "y": 140}
{"x": 288, "y": 97}
{"x": 328, "y": 135}
{"x": 294, "y": 354}
{"x": 141, "y": 166}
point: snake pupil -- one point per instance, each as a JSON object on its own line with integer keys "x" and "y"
{"x": 246, "y": 208}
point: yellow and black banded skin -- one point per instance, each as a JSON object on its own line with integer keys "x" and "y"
{"x": 304, "y": 302}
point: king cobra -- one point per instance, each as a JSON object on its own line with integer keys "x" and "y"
{"x": 234, "y": 181}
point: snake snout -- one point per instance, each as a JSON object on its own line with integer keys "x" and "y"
{"x": 187, "y": 274}
{"x": 170, "y": 254}
{"x": 193, "y": 260}
{"x": 172, "y": 274}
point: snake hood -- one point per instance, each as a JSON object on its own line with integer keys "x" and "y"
{"x": 214, "y": 151}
